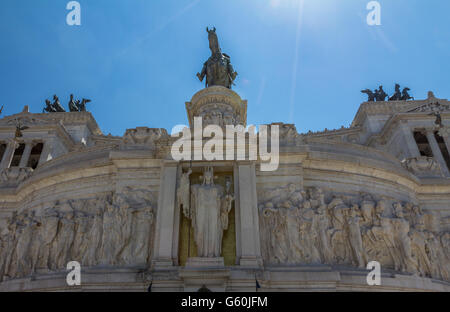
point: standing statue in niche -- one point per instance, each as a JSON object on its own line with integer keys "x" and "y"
{"x": 209, "y": 214}
{"x": 217, "y": 69}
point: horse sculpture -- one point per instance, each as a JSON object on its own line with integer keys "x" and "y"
{"x": 370, "y": 94}
{"x": 54, "y": 107}
{"x": 405, "y": 95}
{"x": 57, "y": 105}
{"x": 48, "y": 107}
{"x": 82, "y": 106}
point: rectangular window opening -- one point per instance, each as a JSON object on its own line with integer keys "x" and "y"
{"x": 423, "y": 144}
{"x": 18, "y": 155}
{"x": 2, "y": 150}
{"x": 443, "y": 148}
{"x": 35, "y": 155}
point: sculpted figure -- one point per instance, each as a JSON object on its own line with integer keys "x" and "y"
{"x": 438, "y": 261}
{"x": 49, "y": 230}
{"x": 81, "y": 238}
{"x": 405, "y": 95}
{"x": 370, "y": 95}
{"x": 445, "y": 241}
{"x": 95, "y": 234}
{"x": 126, "y": 214}
{"x": 278, "y": 249}
{"x": 36, "y": 242}
{"x": 7, "y": 246}
{"x": 184, "y": 191}
{"x": 402, "y": 241}
{"x": 57, "y": 105}
{"x": 298, "y": 244}
{"x": 382, "y": 237}
{"x": 436, "y": 249}
{"x": 3, "y": 250}
{"x": 290, "y": 235}
{"x": 308, "y": 239}
{"x": 143, "y": 219}
{"x": 135, "y": 217}
{"x": 22, "y": 258}
{"x": 82, "y": 106}
{"x": 380, "y": 95}
{"x": 419, "y": 249}
{"x": 49, "y": 107}
{"x": 302, "y": 234}
{"x": 8, "y": 264}
{"x": 64, "y": 239}
{"x": 72, "y": 106}
{"x": 321, "y": 222}
{"x": 111, "y": 235}
{"x": 397, "y": 95}
{"x": 354, "y": 234}
{"x": 3, "y": 245}
{"x": 206, "y": 203}
{"x": 418, "y": 217}
{"x": 339, "y": 242}
{"x": 217, "y": 69}
{"x": 367, "y": 212}
{"x": 225, "y": 208}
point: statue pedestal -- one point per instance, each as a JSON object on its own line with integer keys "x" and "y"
{"x": 209, "y": 272}
{"x": 201, "y": 262}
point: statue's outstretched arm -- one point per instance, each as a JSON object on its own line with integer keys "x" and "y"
{"x": 202, "y": 74}
{"x": 233, "y": 74}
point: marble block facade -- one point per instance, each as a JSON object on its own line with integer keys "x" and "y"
{"x": 132, "y": 216}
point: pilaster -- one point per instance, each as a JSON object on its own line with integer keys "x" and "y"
{"x": 250, "y": 245}
{"x": 437, "y": 152}
{"x": 165, "y": 220}
{"x": 9, "y": 153}
{"x": 26, "y": 154}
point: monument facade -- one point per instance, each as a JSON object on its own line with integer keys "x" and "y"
{"x": 132, "y": 216}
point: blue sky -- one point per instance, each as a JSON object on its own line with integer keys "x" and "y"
{"x": 301, "y": 62}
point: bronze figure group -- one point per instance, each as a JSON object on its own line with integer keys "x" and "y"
{"x": 380, "y": 96}
{"x": 74, "y": 106}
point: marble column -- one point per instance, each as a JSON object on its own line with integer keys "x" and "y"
{"x": 250, "y": 244}
{"x": 445, "y": 134}
{"x": 447, "y": 142}
{"x": 26, "y": 155}
{"x": 9, "y": 153}
{"x": 410, "y": 141}
{"x": 437, "y": 152}
{"x": 163, "y": 252}
{"x": 46, "y": 154}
